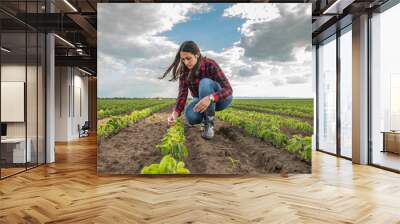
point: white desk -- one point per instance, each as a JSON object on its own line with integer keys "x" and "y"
{"x": 18, "y": 149}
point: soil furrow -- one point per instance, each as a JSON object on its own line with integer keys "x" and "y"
{"x": 231, "y": 151}
{"x": 134, "y": 146}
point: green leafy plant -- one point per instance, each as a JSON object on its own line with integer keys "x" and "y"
{"x": 116, "y": 123}
{"x": 234, "y": 163}
{"x": 173, "y": 142}
{"x": 268, "y": 127}
{"x": 167, "y": 165}
{"x": 118, "y": 106}
{"x": 301, "y": 146}
{"x": 173, "y": 150}
{"x": 302, "y": 108}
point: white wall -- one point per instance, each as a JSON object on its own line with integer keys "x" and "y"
{"x": 13, "y": 73}
{"x": 71, "y": 87}
{"x": 62, "y": 81}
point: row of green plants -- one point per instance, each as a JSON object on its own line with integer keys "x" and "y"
{"x": 272, "y": 120}
{"x": 269, "y": 131}
{"x": 114, "y": 107}
{"x": 299, "y": 103}
{"x": 116, "y": 123}
{"x": 305, "y": 106}
{"x": 280, "y": 111}
{"x": 174, "y": 151}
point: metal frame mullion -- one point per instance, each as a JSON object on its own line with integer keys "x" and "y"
{"x": 0, "y": 96}
{"x": 26, "y": 86}
{"x": 317, "y": 97}
{"x": 338, "y": 98}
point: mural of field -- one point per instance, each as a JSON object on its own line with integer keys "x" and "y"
{"x": 253, "y": 137}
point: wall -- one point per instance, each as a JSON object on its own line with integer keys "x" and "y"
{"x": 71, "y": 102}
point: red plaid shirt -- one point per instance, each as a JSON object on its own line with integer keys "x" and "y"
{"x": 208, "y": 69}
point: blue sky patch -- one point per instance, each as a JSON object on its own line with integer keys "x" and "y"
{"x": 211, "y": 31}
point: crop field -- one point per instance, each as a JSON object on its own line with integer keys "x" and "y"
{"x": 252, "y": 136}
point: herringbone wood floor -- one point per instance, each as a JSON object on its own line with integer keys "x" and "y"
{"x": 70, "y": 191}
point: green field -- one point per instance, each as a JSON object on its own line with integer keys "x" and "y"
{"x": 284, "y": 123}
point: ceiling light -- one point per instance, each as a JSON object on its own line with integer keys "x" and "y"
{"x": 86, "y": 72}
{"x": 65, "y": 41}
{"x": 338, "y": 6}
{"x": 5, "y": 49}
{"x": 70, "y": 5}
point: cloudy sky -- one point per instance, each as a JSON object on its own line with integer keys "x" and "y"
{"x": 263, "y": 48}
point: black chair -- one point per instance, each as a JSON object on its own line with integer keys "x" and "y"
{"x": 84, "y": 130}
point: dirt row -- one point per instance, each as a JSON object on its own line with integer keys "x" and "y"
{"x": 231, "y": 151}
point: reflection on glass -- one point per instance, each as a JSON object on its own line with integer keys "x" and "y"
{"x": 14, "y": 151}
{"x": 31, "y": 100}
{"x": 327, "y": 96}
{"x": 41, "y": 99}
{"x": 386, "y": 88}
{"x": 346, "y": 93}
{"x": 22, "y": 91}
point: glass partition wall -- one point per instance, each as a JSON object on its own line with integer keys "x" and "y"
{"x": 22, "y": 107}
{"x": 327, "y": 95}
{"x": 345, "y": 92}
{"x": 385, "y": 89}
{"x": 334, "y": 75}
{"x": 334, "y": 94}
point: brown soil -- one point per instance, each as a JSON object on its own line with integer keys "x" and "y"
{"x": 253, "y": 156}
{"x": 133, "y": 147}
{"x": 231, "y": 151}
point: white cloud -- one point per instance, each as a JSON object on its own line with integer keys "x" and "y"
{"x": 133, "y": 54}
{"x": 297, "y": 79}
{"x": 272, "y": 57}
{"x": 278, "y": 82}
{"x": 253, "y": 14}
{"x": 276, "y": 33}
{"x": 144, "y": 18}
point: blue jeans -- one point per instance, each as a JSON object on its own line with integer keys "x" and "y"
{"x": 206, "y": 87}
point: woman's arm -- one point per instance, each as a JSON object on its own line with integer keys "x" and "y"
{"x": 182, "y": 96}
{"x": 219, "y": 76}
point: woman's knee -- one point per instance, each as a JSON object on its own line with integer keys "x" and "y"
{"x": 192, "y": 117}
{"x": 222, "y": 105}
{"x": 206, "y": 82}
{"x": 207, "y": 86}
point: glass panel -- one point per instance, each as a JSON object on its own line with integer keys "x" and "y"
{"x": 31, "y": 98}
{"x": 13, "y": 87}
{"x": 346, "y": 93}
{"x": 41, "y": 99}
{"x": 386, "y": 89}
{"x": 327, "y": 96}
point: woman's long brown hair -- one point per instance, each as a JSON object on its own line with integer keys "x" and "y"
{"x": 178, "y": 68}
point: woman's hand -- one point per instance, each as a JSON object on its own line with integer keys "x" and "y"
{"x": 172, "y": 117}
{"x": 202, "y": 105}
